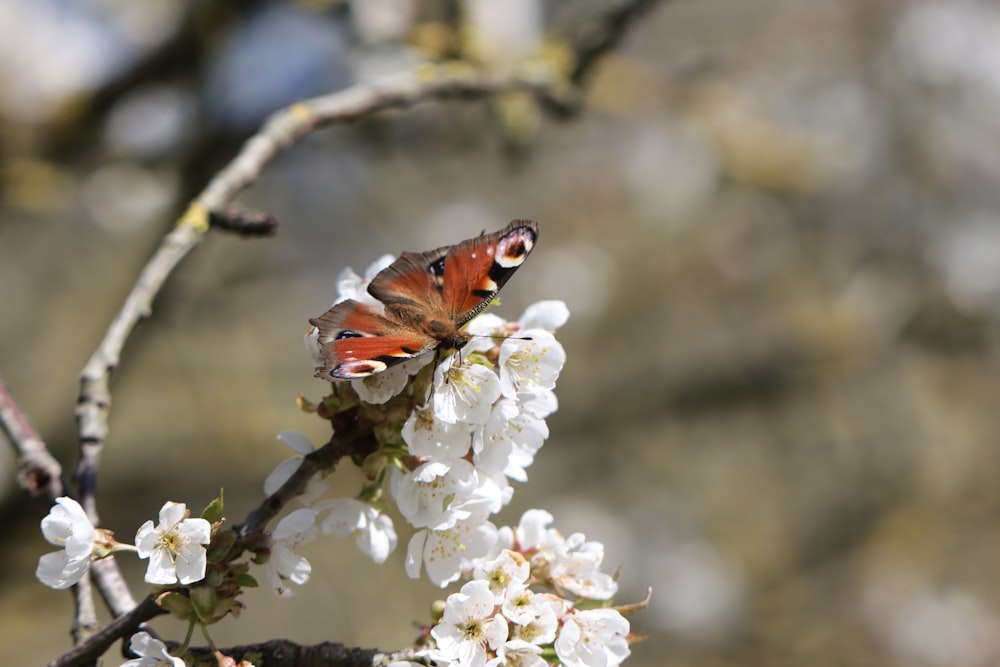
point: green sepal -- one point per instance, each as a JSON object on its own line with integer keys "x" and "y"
{"x": 204, "y": 600}
{"x": 177, "y": 604}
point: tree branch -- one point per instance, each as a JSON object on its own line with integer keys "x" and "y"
{"x": 284, "y": 653}
{"x": 97, "y": 644}
{"x": 590, "y": 28}
{"x": 38, "y": 472}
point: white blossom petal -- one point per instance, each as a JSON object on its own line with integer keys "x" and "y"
{"x": 593, "y": 638}
{"x": 379, "y": 388}
{"x": 285, "y": 566}
{"x": 444, "y": 553}
{"x": 547, "y": 315}
{"x": 432, "y": 495}
{"x": 530, "y": 363}
{"x": 427, "y": 436}
{"x": 301, "y": 444}
{"x": 372, "y": 530}
{"x": 152, "y": 653}
{"x": 57, "y": 570}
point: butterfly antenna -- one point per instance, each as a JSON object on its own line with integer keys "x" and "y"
{"x": 501, "y": 337}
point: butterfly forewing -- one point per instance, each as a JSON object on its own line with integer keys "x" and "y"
{"x": 475, "y": 270}
{"x": 412, "y": 280}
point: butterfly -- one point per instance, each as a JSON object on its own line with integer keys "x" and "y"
{"x": 427, "y": 297}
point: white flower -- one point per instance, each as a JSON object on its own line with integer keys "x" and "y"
{"x": 533, "y": 531}
{"x": 432, "y": 496}
{"x": 530, "y": 363}
{"x": 152, "y": 653}
{"x": 373, "y": 531}
{"x": 301, "y": 444}
{"x": 66, "y": 525}
{"x": 468, "y": 626}
{"x": 576, "y": 567}
{"x": 464, "y": 392}
{"x": 175, "y": 547}
{"x": 427, "y": 436}
{"x": 485, "y": 325}
{"x": 508, "y": 571}
{"x": 509, "y": 440}
{"x": 444, "y": 553}
{"x": 540, "y": 404}
{"x": 536, "y": 615}
{"x": 518, "y": 653}
{"x": 284, "y": 565}
{"x": 593, "y": 638}
{"x": 547, "y": 315}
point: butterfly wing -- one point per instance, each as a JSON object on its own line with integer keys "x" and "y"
{"x": 475, "y": 270}
{"x": 356, "y": 341}
{"x": 413, "y": 281}
{"x": 456, "y": 282}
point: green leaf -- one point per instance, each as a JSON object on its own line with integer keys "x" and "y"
{"x": 245, "y": 580}
{"x": 213, "y": 512}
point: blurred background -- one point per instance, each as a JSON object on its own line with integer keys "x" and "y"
{"x": 775, "y": 224}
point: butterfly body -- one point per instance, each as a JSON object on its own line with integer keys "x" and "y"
{"x": 427, "y": 298}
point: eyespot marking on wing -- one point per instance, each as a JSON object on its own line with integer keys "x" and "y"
{"x": 352, "y": 370}
{"x": 513, "y": 248}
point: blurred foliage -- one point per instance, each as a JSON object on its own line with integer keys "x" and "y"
{"x": 775, "y": 225}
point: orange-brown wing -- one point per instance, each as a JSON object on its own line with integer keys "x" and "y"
{"x": 356, "y": 341}
{"x": 413, "y": 281}
{"x": 457, "y": 281}
{"x": 475, "y": 270}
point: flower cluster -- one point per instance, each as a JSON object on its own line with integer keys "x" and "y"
{"x": 480, "y": 427}
{"x": 175, "y": 546}
{"x": 497, "y": 619}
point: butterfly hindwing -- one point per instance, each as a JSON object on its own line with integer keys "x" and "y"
{"x": 356, "y": 341}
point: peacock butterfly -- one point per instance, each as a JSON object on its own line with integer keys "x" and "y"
{"x": 428, "y": 297}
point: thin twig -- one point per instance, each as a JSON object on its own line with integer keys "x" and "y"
{"x": 111, "y": 585}
{"x": 85, "y": 612}
{"x": 324, "y": 458}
